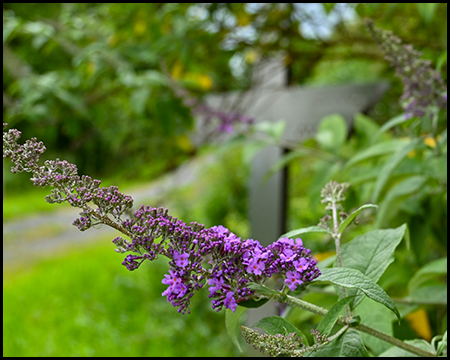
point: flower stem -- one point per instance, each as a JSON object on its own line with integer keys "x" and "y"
{"x": 337, "y": 243}
{"x": 318, "y": 346}
{"x": 290, "y": 300}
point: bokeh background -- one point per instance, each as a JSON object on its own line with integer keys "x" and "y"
{"x": 99, "y": 85}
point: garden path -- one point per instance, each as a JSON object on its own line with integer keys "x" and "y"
{"x": 43, "y": 235}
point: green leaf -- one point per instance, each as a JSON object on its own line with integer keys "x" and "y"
{"x": 442, "y": 346}
{"x": 403, "y": 188}
{"x": 433, "y": 294}
{"x": 263, "y": 290}
{"x": 371, "y": 253}
{"x": 351, "y": 278}
{"x": 395, "y": 351}
{"x": 429, "y": 271}
{"x": 379, "y": 318}
{"x": 326, "y": 324}
{"x": 138, "y": 100}
{"x": 427, "y": 10}
{"x": 379, "y": 149}
{"x": 390, "y": 166}
{"x": 441, "y": 60}
{"x": 397, "y": 120}
{"x": 328, "y": 7}
{"x": 332, "y": 133}
{"x": 365, "y": 127}
{"x": 296, "y": 232}
{"x": 232, "y": 324}
{"x": 277, "y": 325}
{"x": 273, "y": 130}
{"x": 286, "y": 159}
{"x": 348, "y": 344}
{"x": 258, "y": 302}
{"x": 253, "y": 303}
{"x": 352, "y": 215}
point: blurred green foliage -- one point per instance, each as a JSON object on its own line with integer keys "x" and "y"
{"x": 88, "y": 79}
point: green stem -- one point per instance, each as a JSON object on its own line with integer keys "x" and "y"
{"x": 290, "y": 300}
{"x": 318, "y": 346}
{"x": 337, "y": 243}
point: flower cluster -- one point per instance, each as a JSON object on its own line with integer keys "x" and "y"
{"x": 423, "y": 86}
{"x": 215, "y": 255}
{"x": 226, "y": 120}
{"x": 67, "y": 184}
{"x": 319, "y": 337}
{"x": 273, "y": 345}
{"x": 24, "y": 157}
{"x": 198, "y": 256}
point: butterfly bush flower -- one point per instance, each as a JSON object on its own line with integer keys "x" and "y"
{"x": 424, "y": 88}
{"x": 197, "y": 256}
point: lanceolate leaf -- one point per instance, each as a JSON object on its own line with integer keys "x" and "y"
{"x": 232, "y": 324}
{"x": 403, "y": 189}
{"x": 351, "y": 278}
{"x": 390, "y": 165}
{"x": 253, "y": 303}
{"x": 379, "y": 149}
{"x": 296, "y": 232}
{"x": 388, "y": 125}
{"x": 348, "y": 344}
{"x": 431, "y": 270}
{"x": 352, "y": 215}
{"x": 326, "y": 324}
{"x": 263, "y": 290}
{"x": 278, "y": 325}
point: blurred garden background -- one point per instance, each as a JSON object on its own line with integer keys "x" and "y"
{"x": 104, "y": 86}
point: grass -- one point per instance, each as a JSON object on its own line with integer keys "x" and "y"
{"x": 30, "y": 201}
{"x": 84, "y": 303}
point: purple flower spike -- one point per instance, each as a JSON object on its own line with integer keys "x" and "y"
{"x": 197, "y": 255}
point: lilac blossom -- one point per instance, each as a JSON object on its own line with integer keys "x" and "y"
{"x": 197, "y": 255}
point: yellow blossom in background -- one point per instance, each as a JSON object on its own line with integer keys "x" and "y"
{"x": 139, "y": 27}
{"x": 177, "y": 70}
{"x": 419, "y": 322}
{"x": 430, "y": 141}
{"x": 243, "y": 18}
{"x": 112, "y": 40}
{"x": 323, "y": 255}
{"x": 203, "y": 81}
{"x": 251, "y": 56}
{"x": 91, "y": 67}
{"x": 184, "y": 143}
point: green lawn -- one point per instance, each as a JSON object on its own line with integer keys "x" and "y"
{"x": 85, "y": 303}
